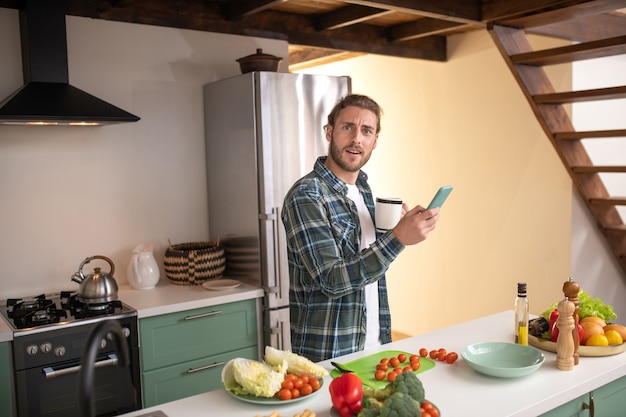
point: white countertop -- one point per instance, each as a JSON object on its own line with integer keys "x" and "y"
{"x": 170, "y": 298}
{"x": 456, "y": 389}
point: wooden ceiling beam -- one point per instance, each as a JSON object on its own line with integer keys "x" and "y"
{"x": 521, "y": 13}
{"x": 240, "y": 8}
{"x": 585, "y": 29}
{"x": 420, "y": 28}
{"x": 349, "y": 15}
{"x": 462, "y": 11}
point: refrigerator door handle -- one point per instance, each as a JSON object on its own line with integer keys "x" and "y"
{"x": 281, "y": 267}
{"x": 268, "y": 216}
{"x": 270, "y": 290}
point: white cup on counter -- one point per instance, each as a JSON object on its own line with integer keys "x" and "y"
{"x": 388, "y": 213}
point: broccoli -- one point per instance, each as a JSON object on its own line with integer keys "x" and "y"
{"x": 400, "y": 405}
{"x": 406, "y": 383}
{"x": 369, "y": 411}
{"x": 400, "y": 398}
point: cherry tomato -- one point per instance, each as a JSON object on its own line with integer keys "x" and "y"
{"x": 442, "y": 350}
{"x": 423, "y": 352}
{"x": 397, "y": 370}
{"x": 384, "y": 361}
{"x": 290, "y": 376}
{"x": 407, "y": 368}
{"x": 433, "y": 354}
{"x": 304, "y": 378}
{"x": 288, "y": 384}
{"x": 306, "y": 389}
{"x": 284, "y": 394}
{"x": 381, "y": 367}
{"x": 295, "y": 393}
{"x": 392, "y": 376}
{"x": 451, "y": 357}
{"x": 430, "y": 409}
{"x": 315, "y": 383}
{"x": 415, "y": 365}
{"x": 414, "y": 358}
{"x": 394, "y": 362}
{"x": 402, "y": 357}
{"x": 441, "y": 355}
{"x": 297, "y": 383}
{"x": 379, "y": 375}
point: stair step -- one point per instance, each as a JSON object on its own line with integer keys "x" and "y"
{"x": 618, "y": 230}
{"x": 610, "y": 93}
{"x": 610, "y": 201}
{"x": 571, "y": 53}
{"x": 592, "y": 134}
{"x": 592, "y": 169}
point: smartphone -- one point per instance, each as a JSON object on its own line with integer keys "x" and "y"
{"x": 440, "y": 197}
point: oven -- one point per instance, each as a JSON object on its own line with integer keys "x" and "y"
{"x": 48, "y": 352}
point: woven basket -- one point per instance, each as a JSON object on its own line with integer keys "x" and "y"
{"x": 194, "y": 263}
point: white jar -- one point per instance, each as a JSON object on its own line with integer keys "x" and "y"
{"x": 143, "y": 271}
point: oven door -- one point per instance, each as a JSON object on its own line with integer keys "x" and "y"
{"x": 52, "y": 391}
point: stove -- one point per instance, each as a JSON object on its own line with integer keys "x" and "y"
{"x": 50, "y": 332}
{"x": 46, "y": 312}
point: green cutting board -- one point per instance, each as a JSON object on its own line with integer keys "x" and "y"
{"x": 365, "y": 367}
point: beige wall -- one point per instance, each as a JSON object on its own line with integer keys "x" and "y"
{"x": 466, "y": 123}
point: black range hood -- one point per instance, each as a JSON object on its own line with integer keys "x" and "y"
{"x": 47, "y": 98}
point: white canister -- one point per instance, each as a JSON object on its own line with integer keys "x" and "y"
{"x": 143, "y": 271}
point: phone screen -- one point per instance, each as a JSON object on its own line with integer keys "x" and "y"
{"x": 440, "y": 197}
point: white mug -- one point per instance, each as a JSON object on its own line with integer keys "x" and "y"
{"x": 388, "y": 213}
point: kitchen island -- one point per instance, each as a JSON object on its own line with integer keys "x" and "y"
{"x": 456, "y": 389}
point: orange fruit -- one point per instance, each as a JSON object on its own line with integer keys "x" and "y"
{"x": 618, "y": 328}
{"x": 597, "y": 340}
{"x": 613, "y": 337}
{"x": 589, "y": 329}
{"x": 593, "y": 319}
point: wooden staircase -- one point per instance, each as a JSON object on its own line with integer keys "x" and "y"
{"x": 592, "y": 38}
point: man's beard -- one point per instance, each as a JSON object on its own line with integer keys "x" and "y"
{"x": 336, "y": 155}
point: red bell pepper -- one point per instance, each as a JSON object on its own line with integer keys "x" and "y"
{"x": 346, "y": 393}
{"x": 554, "y": 330}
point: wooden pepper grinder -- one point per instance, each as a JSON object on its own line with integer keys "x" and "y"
{"x": 565, "y": 340}
{"x": 571, "y": 290}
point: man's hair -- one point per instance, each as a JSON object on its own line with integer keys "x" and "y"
{"x": 356, "y": 100}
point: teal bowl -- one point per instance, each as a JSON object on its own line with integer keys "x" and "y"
{"x": 501, "y": 359}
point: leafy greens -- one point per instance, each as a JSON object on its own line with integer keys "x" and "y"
{"x": 587, "y": 306}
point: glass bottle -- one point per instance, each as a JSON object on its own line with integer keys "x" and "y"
{"x": 521, "y": 315}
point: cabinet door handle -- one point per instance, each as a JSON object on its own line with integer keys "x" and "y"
{"x": 199, "y": 316}
{"x": 590, "y": 407}
{"x": 203, "y": 368}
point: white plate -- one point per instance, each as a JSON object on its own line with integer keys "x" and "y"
{"x": 221, "y": 284}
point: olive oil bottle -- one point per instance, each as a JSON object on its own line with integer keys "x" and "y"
{"x": 521, "y": 315}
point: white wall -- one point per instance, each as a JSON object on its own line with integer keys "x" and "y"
{"x": 592, "y": 262}
{"x": 68, "y": 193}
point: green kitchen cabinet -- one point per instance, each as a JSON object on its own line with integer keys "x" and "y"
{"x": 183, "y": 353}
{"x": 6, "y": 383}
{"x": 606, "y": 401}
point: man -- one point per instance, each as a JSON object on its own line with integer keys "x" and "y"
{"x": 337, "y": 262}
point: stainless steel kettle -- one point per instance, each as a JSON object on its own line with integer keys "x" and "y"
{"x": 99, "y": 287}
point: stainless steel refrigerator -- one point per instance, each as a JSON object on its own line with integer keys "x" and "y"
{"x": 264, "y": 130}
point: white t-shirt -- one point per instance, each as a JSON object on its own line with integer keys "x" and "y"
{"x": 368, "y": 236}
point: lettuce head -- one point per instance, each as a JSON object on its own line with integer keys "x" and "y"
{"x": 248, "y": 377}
{"x": 284, "y": 361}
